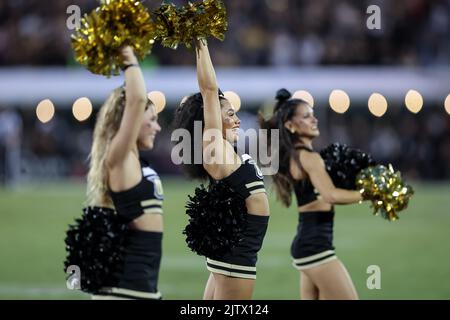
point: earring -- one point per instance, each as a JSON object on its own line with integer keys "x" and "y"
{"x": 292, "y": 130}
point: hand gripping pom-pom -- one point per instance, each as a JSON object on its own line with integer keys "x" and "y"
{"x": 353, "y": 169}
{"x": 177, "y": 26}
{"x": 104, "y": 31}
{"x": 117, "y": 23}
{"x": 386, "y": 189}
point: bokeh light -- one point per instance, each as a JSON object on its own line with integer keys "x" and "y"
{"x": 234, "y": 99}
{"x": 447, "y": 104}
{"x": 45, "y": 110}
{"x": 339, "y": 101}
{"x": 82, "y": 109}
{"x": 158, "y": 99}
{"x": 304, "y": 95}
{"x": 413, "y": 101}
{"x": 377, "y": 104}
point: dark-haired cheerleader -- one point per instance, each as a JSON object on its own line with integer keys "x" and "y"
{"x": 120, "y": 180}
{"x": 302, "y": 170}
{"x": 232, "y": 273}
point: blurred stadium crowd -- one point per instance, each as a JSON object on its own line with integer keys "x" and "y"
{"x": 419, "y": 146}
{"x": 261, "y": 32}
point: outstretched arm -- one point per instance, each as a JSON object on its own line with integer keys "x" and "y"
{"x": 314, "y": 165}
{"x": 208, "y": 87}
{"x": 133, "y": 115}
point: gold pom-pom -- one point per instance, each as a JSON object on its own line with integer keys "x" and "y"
{"x": 177, "y": 26}
{"x": 105, "y": 30}
{"x": 386, "y": 189}
{"x": 168, "y": 25}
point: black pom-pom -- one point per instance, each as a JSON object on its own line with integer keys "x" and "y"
{"x": 283, "y": 95}
{"x": 95, "y": 243}
{"x": 217, "y": 219}
{"x": 344, "y": 163}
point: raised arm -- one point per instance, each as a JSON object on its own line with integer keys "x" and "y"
{"x": 208, "y": 87}
{"x": 133, "y": 115}
{"x": 314, "y": 165}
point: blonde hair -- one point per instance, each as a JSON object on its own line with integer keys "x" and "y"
{"x": 106, "y": 127}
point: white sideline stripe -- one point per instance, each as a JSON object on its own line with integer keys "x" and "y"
{"x": 96, "y": 297}
{"x": 37, "y": 291}
{"x": 314, "y": 257}
{"x": 47, "y": 292}
{"x": 230, "y": 266}
{"x": 63, "y": 291}
{"x": 169, "y": 263}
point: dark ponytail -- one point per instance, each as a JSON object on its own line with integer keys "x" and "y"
{"x": 282, "y": 96}
{"x": 283, "y": 111}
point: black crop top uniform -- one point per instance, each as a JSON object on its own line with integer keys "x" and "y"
{"x": 241, "y": 261}
{"x": 138, "y": 278}
{"x": 313, "y": 243}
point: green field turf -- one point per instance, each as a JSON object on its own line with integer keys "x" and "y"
{"x": 413, "y": 253}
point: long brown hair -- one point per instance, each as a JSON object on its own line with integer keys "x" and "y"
{"x": 284, "y": 110}
{"x": 106, "y": 127}
{"x": 187, "y": 113}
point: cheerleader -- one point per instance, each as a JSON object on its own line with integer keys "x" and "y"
{"x": 118, "y": 178}
{"x": 232, "y": 275}
{"x": 302, "y": 170}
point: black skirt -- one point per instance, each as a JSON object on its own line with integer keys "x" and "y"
{"x": 138, "y": 278}
{"x": 313, "y": 243}
{"x": 241, "y": 261}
